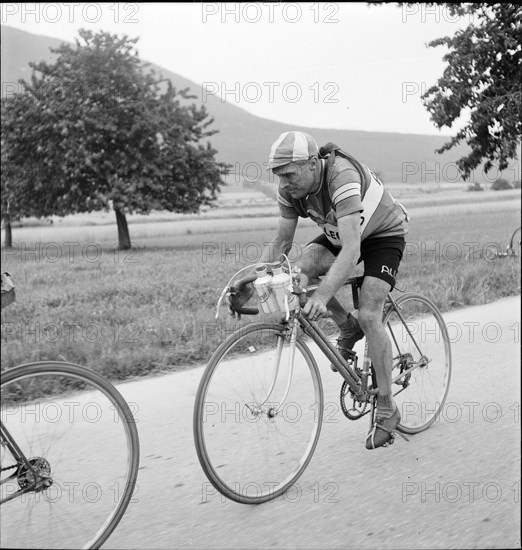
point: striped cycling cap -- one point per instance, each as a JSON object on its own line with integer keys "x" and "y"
{"x": 292, "y": 146}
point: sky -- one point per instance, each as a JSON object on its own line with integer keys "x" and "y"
{"x": 323, "y": 64}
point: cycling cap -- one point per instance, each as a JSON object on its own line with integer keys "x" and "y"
{"x": 292, "y": 146}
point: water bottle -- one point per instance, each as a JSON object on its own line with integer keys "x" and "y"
{"x": 262, "y": 285}
{"x": 280, "y": 286}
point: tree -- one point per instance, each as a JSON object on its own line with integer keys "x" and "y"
{"x": 95, "y": 130}
{"x": 484, "y": 74}
{"x": 16, "y": 201}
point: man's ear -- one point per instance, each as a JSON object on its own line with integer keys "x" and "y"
{"x": 313, "y": 163}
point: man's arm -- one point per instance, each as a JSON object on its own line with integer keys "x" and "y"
{"x": 282, "y": 242}
{"x": 342, "y": 268}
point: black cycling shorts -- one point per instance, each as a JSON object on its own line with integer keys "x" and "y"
{"x": 381, "y": 255}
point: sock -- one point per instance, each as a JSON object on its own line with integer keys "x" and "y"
{"x": 351, "y": 332}
{"x": 385, "y": 406}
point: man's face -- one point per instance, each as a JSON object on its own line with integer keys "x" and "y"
{"x": 297, "y": 179}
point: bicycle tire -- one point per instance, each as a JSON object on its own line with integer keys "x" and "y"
{"x": 17, "y": 377}
{"x": 260, "y": 362}
{"x": 514, "y": 242}
{"x": 425, "y": 320}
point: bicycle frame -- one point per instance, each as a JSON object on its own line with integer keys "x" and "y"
{"x": 356, "y": 382}
{"x": 391, "y": 303}
{"x": 320, "y": 338}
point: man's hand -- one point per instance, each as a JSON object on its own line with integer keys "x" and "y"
{"x": 314, "y": 308}
{"x": 239, "y": 297}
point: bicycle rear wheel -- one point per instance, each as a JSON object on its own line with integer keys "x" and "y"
{"x": 69, "y": 457}
{"x": 251, "y": 444}
{"x": 514, "y": 243}
{"x": 421, "y": 361}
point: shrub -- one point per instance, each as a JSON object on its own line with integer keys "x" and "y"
{"x": 501, "y": 184}
{"x": 475, "y": 187}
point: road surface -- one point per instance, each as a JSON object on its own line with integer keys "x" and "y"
{"x": 457, "y": 485}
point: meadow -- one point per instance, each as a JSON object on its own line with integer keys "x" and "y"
{"x": 151, "y": 310}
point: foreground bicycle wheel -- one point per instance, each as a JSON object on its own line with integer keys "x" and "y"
{"x": 80, "y": 453}
{"x": 422, "y": 343}
{"x": 251, "y": 441}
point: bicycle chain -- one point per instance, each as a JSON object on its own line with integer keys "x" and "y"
{"x": 9, "y": 467}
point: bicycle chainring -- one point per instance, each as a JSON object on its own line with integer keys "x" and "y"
{"x": 357, "y": 409}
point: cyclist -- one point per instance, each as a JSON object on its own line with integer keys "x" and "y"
{"x": 361, "y": 221}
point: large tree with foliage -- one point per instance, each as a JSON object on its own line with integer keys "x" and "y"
{"x": 96, "y": 130}
{"x": 484, "y": 74}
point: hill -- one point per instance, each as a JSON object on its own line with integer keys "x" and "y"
{"x": 244, "y": 139}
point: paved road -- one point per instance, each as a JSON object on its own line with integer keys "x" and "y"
{"x": 457, "y": 485}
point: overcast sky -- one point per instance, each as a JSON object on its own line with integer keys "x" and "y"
{"x": 328, "y": 65}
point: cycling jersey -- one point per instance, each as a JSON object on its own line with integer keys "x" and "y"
{"x": 348, "y": 186}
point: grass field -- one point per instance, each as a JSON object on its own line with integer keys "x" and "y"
{"x": 152, "y": 310}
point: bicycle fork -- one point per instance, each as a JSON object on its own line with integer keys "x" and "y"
{"x": 281, "y": 341}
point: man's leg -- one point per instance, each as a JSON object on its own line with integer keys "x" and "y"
{"x": 371, "y": 300}
{"x": 372, "y": 297}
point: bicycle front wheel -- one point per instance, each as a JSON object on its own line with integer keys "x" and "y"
{"x": 257, "y": 414}
{"x": 421, "y": 361}
{"x": 69, "y": 457}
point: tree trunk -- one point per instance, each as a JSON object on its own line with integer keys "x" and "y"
{"x": 8, "y": 242}
{"x": 123, "y": 230}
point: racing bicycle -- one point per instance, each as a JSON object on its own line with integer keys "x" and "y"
{"x": 259, "y": 405}
{"x": 69, "y": 456}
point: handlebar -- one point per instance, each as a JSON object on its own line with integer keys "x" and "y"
{"x": 240, "y": 310}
